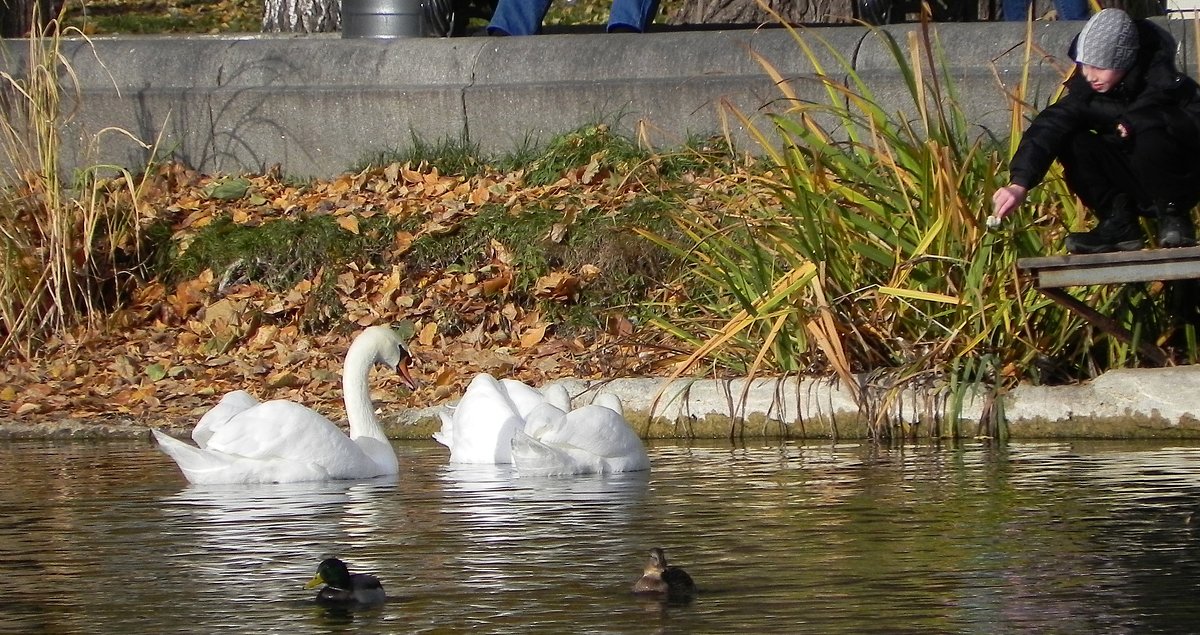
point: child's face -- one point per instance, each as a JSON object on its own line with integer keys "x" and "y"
{"x": 1102, "y": 79}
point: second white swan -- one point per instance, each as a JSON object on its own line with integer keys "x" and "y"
{"x": 504, "y": 421}
{"x": 243, "y": 441}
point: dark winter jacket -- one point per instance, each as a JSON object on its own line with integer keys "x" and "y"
{"x": 1153, "y": 93}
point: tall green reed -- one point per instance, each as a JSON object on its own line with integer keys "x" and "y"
{"x": 862, "y": 250}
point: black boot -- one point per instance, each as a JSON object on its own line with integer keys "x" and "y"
{"x": 875, "y": 12}
{"x": 1118, "y": 230}
{"x": 1175, "y": 228}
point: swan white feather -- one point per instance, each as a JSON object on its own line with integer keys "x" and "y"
{"x": 587, "y": 440}
{"x": 243, "y": 441}
{"x": 557, "y": 396}
{"x": 217, "y": 416}
{"x": 506, "y": 421}
{"x": 610, "y": 401}
{"x": 525, "y": 398}
{"x": 478, "y": 428}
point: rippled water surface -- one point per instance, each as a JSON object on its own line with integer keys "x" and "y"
{"x": 1050, "y": 538}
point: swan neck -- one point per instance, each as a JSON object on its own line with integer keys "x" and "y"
{"x": 356, "y": 393}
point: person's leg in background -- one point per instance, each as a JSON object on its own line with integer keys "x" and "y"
{"x": 631, "y": 16}
{"x": 518, "y": 17}
{"x": 1072, "y": 9}
{"x": 1015, "y": 10}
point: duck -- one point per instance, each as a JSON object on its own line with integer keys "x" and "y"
{"x": 344, "y": 589}
{"x": 242, "y": 440}
{"x": 504, "y": 421}
{"x": 663, "y": 580}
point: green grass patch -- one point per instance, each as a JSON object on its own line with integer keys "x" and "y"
{"x": 109, "y": 17}
{"x": 448, "y": 156}
{"x": 279, "y": 253}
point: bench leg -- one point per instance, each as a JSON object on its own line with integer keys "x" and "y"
{"x": 1108, "y": 325}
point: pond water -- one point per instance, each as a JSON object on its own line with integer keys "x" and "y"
{"x": 107, "y": 537}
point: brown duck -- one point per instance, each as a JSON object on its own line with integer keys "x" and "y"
{"x": 661, "y": 579}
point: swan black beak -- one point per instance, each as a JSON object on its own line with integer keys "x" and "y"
{"x": 405, "y": 374}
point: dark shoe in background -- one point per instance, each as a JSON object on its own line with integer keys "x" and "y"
{"x": 1175, "y": 228}
{"x": 450, "y": 18}
{"x": 875, "y": 12}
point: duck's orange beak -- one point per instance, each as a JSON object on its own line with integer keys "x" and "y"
{"x": 405, "y": 374}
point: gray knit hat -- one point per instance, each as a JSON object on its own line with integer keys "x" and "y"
{"x": 1108, "y": 40}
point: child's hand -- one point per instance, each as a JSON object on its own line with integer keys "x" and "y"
{"x": 1006, "y": 200}
{"x": 1122, "y": 131}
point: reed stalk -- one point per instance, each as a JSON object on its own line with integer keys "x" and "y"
{"x": 65, "y": 244}
{"x": 869, "y": 257}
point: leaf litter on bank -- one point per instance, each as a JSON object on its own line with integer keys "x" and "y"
{"x": 178, "y": 345}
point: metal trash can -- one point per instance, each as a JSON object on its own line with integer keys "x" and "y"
{"x": 382, "y": 19}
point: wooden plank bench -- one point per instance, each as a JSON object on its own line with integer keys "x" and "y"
{"x": 1051, "y": 273}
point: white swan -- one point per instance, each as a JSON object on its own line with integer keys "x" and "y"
{"x": 591, "y": 439}
{"x": 243, "y": 441}
{"x": 505, "y": 421}
{"x": 478, "y": 429}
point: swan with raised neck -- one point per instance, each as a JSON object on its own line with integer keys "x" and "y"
{"x": 282, "y": 441}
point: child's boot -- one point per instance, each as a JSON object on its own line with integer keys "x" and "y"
{"x": 1118, "y": 230}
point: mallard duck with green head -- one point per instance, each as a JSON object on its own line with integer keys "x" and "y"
{"x": 662, "y": 579}
{"x": 343, "y": 588}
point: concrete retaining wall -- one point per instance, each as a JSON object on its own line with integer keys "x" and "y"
{"x": 1159, "y": 403}
{"x": 315, "y": 105}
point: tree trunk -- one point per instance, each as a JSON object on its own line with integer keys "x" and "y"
{"x": 17, "y": 16}
{"x": 301, "y": 16}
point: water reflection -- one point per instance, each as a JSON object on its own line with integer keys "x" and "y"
{"x": 238, "y": 524}
{"x": 521, "y": 534}
{"x": 820, "y": 538}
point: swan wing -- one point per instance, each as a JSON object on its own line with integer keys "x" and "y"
{"x": 273, "y": 442}
{"x": 207, "y": 467}
{"x": 598, "y": 430}
{"x": 541, "y": 419}
{"x": 479, "y": 429}
{"x": 531, "y": 457}
{"x": 229, "y": 406}
{"x": 557, "y": 395}
{"x": 523, "y": 397}
{"x": 610, "y": 401}
{"x": 590, "y": 439}
{"x": 281, "y": 429}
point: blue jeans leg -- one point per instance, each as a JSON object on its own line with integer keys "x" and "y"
{"x": 1015, "y": 10}
{"x": 1072, "y": 9}
{"x": 1018, "y": 10}
{"x": 519, "y": 17}
{"x": 632, "y": 14}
